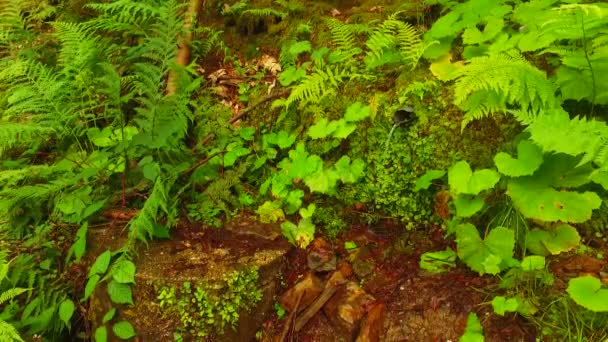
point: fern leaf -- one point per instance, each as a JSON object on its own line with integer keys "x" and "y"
{"x": 317, "y": 85}
{"x": 507, "y": 81}
{"x": 8, "y": 333}
{"x": 10, "y": 294}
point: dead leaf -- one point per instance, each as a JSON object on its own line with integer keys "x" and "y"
{"x": 334, "y": 12}
{"x": 270, "y": 63}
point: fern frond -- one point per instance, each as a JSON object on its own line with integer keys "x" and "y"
{"x": 131, "y": 13}
{"x": 507, "y": 81}
{"x": 10, "y": 294}
{"x": 317, "y": 85}
{"x": 8, "y": 333}
{"x": 22, "y": 134}
{"x": 555, "y": 132}
{"x": 264, "y": 12}
{"x": 344, "y": 36}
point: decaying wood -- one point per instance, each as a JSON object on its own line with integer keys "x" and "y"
{"x": 290, "y": 319}
{"x": 184, "y": 50}
{"x": 336, "y": 279}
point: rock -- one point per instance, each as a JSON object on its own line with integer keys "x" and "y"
{"x": 321, "y": 256}
{"x": 372, "y": 325}
{"x": 209, "y": 261}
{"x": 347, "y": 307}
{"x": 309, "y": 287}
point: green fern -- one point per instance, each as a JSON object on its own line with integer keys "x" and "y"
{"x": 7, "y": 331}
{"x": 317, "y": 85}
{"x": 499, "y": 82}
{"x": 264, "y": 12}
{"x": 345, "y": 36}
{"x": 555, "y": 132}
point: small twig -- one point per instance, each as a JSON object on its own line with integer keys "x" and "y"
{"x": 291, "y": 318}
{"x": 203, "y": 162}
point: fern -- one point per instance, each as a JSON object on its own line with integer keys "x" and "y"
{"x": 500, "y": 82}
{"x": 264, "y": 12}
{"x": 317, "y": 85}
{"x": 344, "y": 36}
{"x": 555, "y": 132}
{"x": 7, "y": 331}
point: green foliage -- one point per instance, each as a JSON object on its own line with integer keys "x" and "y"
{"x": 587, "y": 291}
{"x": 438, "y": 262}
{"x": 203, "y": 309}
{"x": 473, "y": 331}
{"x": 7, "y": 331}
{"x": 529, "y": 159}
{"x": 490, "y": 255}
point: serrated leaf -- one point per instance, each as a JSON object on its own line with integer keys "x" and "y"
{"x": 357, "y": 112}
{"x": 123, "y": 330}
{"x": 101, "y": 334}
{"x": 344, "y": 129}
{"x": 529, "y": 159}
{"x": 322, "y": 129}
{"x": 66, "y": 310}
{"x": 495, "y": 250}
{"x": 533, "y": 263}
{"x": 120, "y": 293}
{"x": 109, "y": 315}
{"x": 100, "y": 266}
{"x": 427, "y": 179}
{"x": 293, "y": 201}
{"x": 538, "y": 202}
{"x": 290, "y": 75}
{"x": 270, "y": 212}
{"x": 349, "y": 172}
{"x": 123, "y": 271}
{"x": 554, "y": 241}
{"x": 284, "y": 139}
{"x": 322, "y": 181}
{"x": 300, "y": 235}
{"x": 467, "y": 205}
{"x": 308, "y": 211}
{"x": 90, "y": 286}
{"x": 233, "y": 155}
{"x": 587, "y": 292}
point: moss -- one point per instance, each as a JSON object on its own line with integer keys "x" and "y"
{"x": 205, "y": 309}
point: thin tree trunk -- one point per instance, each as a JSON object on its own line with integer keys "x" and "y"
{"x": 184, "y": 49}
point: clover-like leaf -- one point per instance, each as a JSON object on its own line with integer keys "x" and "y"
{"x": 587, "y": 292}
{"x": 489, "y": 255}
{"x": 554, "y": 241}
{"x": 529, "y": 159}
{"x": 322, "y": 129}
{"x": 539, "y": 202}
{"x": 502, "y": 305}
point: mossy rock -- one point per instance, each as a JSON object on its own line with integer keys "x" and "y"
{"x": 205, "y": 259}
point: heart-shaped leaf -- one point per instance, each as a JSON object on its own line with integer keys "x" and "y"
{"x": 490, "y": 255}
{"x": 529, "y": 159}
{"x": 463, "y": 180}
{"x": 554, "y": 241}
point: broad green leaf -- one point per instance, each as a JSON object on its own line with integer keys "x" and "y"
{"x": 284, "y": 139}
{"x": 488, "y": 255}
{"x": 554, "y": 241}
{"x": 473, "y": 331}
{"x": 123, "y": 271}
{"x": 322, "y": 129}
{"x": 502, "y": 305}
{"x": 291, "y": 74}
{"x": 101, "y": 334}
{"x": 109, "y": 315}
{"x": 231, "y": 156}
{"x": 120, "y": 293}
{"x": 357, "y": 112}
{"x": 349, "y": 172}
{"x": 467, "y": 205}
{"x": 270, "y": 212}
{"x": 100, "y": 266}
{"x": 300, "y": 235}
{"x": 302, "y": 164}
{"x": 308, "y": 211}
{"x": 323, "y": 181}
{"x": 344, "y": 129}
{"x": 427, "y": 179}
{"x": 438, "y": 262}
{"x": 247, "y": 133}
{"x": 587, "y": 292}
{"x": 529, "y": 159}
{"x": 293, "y": 201}
{"x": 533, "y": 263}
{"x": 66, "y": 310}
{"x": 601, "y": 178}
{"x": 123, "y": 330}
{"x": 90, "y": 286}
{"x": 538, "y": 202}
{"x": 463, "y": 180}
